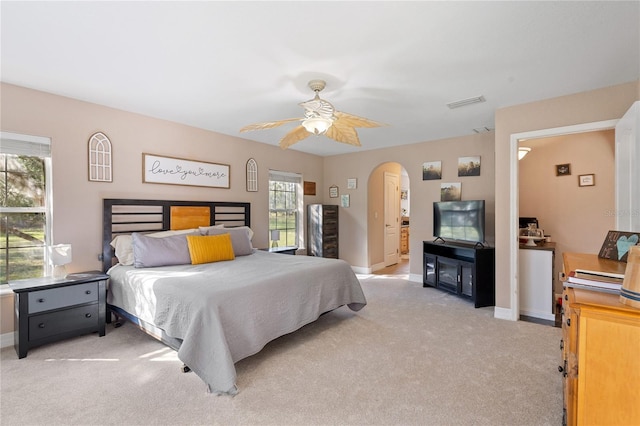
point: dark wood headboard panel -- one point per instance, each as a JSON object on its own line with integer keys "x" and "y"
{"x": 124, "y": 216}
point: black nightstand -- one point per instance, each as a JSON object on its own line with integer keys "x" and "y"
{"x": 49, "y": 309}
{"x": 282, "y": 250}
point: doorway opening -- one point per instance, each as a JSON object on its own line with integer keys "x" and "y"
{"x": 388, "y": 226}
{"x": 514, "y": 212}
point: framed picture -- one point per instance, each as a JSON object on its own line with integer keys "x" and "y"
{"x": 563, "y": 169}
{"x": 587, "y": 180}
{"x": 344, "y": 200}
{"x": 352, "y": 183}
{"x": 451, "y": 191}
{"x": 469, "y": 166}
{"x": 309, "y": 188}
{"x": 179, "y": 171}
{"x": 333, "y": 191}
{"x": 404, "y": 194}
{"x": 432, "y": 170}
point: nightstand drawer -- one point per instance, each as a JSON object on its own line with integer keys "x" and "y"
{"x": 45, "y": 300}
{"x": 50, "y": 324}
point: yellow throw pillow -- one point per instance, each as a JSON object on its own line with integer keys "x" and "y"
{"x": 210, "y": 248}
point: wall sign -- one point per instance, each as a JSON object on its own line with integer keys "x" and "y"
{"x": 178, "y": 171}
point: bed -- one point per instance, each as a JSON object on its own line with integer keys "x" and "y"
{"x": 213, "y": 313}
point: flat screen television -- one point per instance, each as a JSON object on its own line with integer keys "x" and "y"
{"x": 459, "y": 220}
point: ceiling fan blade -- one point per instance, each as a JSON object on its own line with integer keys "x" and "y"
{"x": 342, "y": 133}
{"x": 267, "y": 124}
{"x": 354, "y": 121}
{"x": 294, "y": 136}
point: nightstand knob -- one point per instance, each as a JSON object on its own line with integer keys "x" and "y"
{"x": 87, "y": 292}
{"x": 40, "y": 300}
{"x": 41, "y": 325}
{"x": 87, "y": 315}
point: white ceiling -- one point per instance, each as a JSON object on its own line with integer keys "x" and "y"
{"x": 222, "y": 65}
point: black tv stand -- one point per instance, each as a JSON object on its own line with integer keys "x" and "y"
{"x": 464, "y": 269}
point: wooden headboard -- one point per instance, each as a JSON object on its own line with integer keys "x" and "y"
{"x": 124, "y": 216}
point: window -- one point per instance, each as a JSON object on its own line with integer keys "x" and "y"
{"x": 25, "y": 205}
{"x": 285, "y": 208}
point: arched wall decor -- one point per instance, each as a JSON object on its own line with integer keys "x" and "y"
{"x": 100, "y": 164}
{"x": 252, "y": 175}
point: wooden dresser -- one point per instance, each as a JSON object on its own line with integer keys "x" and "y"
{"x": 600, "y": 351}
{"x": 322, "y": 230}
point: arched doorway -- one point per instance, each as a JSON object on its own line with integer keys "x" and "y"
{"x": 388, "y": 213}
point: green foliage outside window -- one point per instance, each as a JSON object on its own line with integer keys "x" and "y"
{"x": 22, "y": 216}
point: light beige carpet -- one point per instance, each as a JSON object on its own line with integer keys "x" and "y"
{"x": 413, "y": 356}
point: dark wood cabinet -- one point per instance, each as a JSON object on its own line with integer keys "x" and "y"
{"x": 322, "y": 230}
{"x": 49, "y": 309}
{"x": 465, "y": 270}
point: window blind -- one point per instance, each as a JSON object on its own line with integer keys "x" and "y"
{"x": 16, "y": 144}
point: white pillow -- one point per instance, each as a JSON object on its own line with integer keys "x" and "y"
{"x": 124, "y": 249}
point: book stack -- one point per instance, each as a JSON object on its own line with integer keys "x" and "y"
{"x": 595, "y": 280}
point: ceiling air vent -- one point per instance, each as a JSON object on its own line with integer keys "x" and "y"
{"x": 465, "y": 102}
{"x": 482, "y": 129}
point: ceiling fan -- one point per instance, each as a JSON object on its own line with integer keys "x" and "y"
{"x": 320, "y": 118}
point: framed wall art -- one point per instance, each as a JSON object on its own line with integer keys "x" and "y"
{"x": 309, "y": 188}
{"x": 252, "y": 175}
{"x": 469, "y": 166}
{"x": 563, "y": 169}
{"x": 333, "y": 191}
{"x": 180, "y": 171}
{"x": 100, "y": 161}
{"x": 587, "y": 180}
{"x": 432, "y": 170}
{"x": 451, "y": 191}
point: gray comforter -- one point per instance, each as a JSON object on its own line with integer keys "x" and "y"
{"x": 226, "y": 311}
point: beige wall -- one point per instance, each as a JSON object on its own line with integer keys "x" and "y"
{"x": 361, "y": 235}
{"x": 577, "y": 218}
{"x": 598, "y": 105}
{"x": 77, "y": 203}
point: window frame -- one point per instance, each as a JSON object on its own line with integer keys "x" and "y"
{"x": 34, "y": 146}
{"x": 295, "y": 178}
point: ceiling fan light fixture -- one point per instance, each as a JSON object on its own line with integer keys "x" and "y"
{"x": 317, "y": 125}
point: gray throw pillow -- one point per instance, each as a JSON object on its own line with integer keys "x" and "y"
{"x": 240, "y": 239}
{"x": 149, "y": 251}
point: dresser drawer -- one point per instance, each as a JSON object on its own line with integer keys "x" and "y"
{"x": 50, "y": 324}
{"x": 45, "y": 300}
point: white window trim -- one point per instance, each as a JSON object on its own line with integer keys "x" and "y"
{"x": 295, "y": 178}
{"x": 40, "y": 146}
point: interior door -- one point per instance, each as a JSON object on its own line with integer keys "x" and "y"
{"x": 391, "y": 218}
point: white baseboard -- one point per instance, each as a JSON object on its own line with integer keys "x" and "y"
{"x": 537, "y": 314}
{"x": 416, "y": 278}
{"x": 361, "y": 270}
{"x": 377, "y": 267}
{"x": 6, "y": 340}
{"x": 502, "y": 313}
